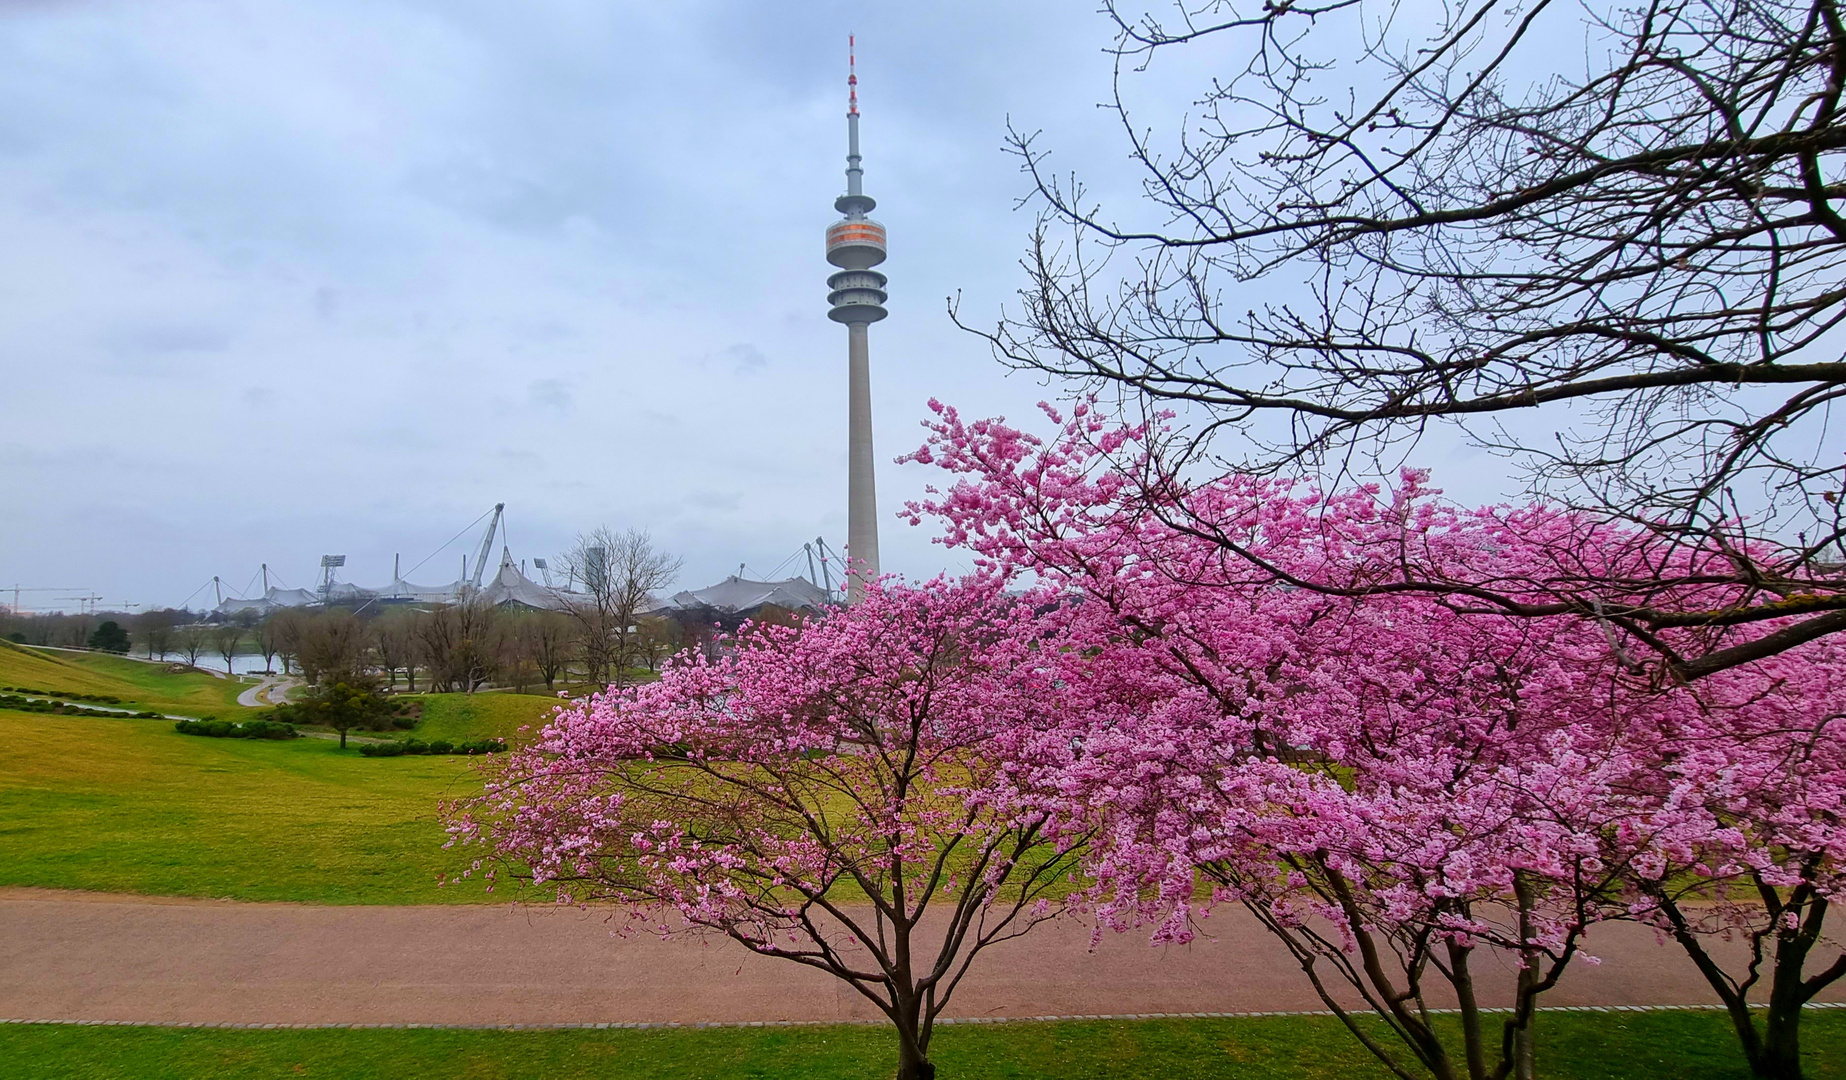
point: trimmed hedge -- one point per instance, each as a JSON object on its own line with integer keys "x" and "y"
{"x": 229, "y": 729}
{"x": 440, "y": 746}
{"x": 100, "y": 699}
{"x": 62, "y": 708}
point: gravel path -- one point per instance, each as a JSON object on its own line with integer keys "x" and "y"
{"x": 74, "y": 956}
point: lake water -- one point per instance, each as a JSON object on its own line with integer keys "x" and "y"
{"x": 240, "y": 665}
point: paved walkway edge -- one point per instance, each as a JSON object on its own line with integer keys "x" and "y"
{"x": 957, "y": 1021}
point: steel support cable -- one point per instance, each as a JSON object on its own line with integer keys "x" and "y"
{"x": 463, "y": 532}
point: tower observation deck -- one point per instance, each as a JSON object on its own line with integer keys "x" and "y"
{"x": 857, "y": 296}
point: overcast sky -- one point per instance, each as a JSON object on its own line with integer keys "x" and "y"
{"x": 281, "y": 280}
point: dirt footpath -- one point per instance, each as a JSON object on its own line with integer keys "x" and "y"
{"x": 66, "y": 956}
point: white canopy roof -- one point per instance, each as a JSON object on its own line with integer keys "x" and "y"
{"x": 737, "y": 594}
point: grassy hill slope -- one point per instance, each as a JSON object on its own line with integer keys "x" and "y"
{"x": 135, "y": 682}
{"x": 133, "y": 806}
{"x": 467, "y": 717}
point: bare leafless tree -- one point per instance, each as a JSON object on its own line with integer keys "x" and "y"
{"x": 551, "y": 644}
{"x": 263, "y": 635}
{"x": 333, "y": 646}
{"x": 1601, "y": 241}
{"x": 515, "y": 658}
{"x": 227, "y": 637}
{"x": 393, "y": 644}
{"x": 438, "y": 636}
{"x": 660, "y": 637}
{"x": 155, "y": 629}
{"x": 194, "y": 639}
{"x": 619, "y": 574}
{"x": 283, "y": 630}
{"x": 459, "y": 645}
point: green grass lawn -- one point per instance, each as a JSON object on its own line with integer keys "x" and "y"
{"x": 467, "y": 717}
{"x": 135, "y": 682}
{"x": 1575, "y": 1046}
{"x": 133, "y": 806}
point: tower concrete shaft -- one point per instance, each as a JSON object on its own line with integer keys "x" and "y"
{"x": 861, "y": 480}
{"x": 855, "y": 244}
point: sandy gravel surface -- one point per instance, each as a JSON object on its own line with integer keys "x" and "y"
{"x": 67, "y": 956}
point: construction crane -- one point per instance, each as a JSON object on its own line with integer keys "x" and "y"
{"x": 17, "y": 589}
{"x": 487, "y": 544}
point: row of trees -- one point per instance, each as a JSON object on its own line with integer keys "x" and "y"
{"x": 157, "y": 633}
{"x": 456, "y": 647}
{"x": 152, "y": 631}
{"x": 1429, "y": 807}
{"x": 599, "y": 636}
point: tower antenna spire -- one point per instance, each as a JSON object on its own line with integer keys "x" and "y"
{"x": 852, "y": 77}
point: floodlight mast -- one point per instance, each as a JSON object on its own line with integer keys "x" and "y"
{"x": 328, "y": 563}
{"x": 855, "y": 244}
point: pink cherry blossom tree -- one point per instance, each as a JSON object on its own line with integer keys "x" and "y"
{"x": 866, "y": 794}
{"x": 1389, "y": 778}
{"x": 1392, "y": 790}
{"x": 1753, "y": 772}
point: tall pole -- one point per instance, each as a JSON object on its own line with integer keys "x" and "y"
{"x": 855, "y": 244}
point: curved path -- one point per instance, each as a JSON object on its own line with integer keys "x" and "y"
{"x": 271, "y": 690}
{"x": 72, "y": 956}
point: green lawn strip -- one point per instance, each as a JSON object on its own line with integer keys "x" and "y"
{"x": 137, "y": 683}
{"x": 1574, "y": 1046}
{"x": 460, "y": 718}
{"x": 133, "y": 806}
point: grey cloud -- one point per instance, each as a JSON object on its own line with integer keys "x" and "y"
{"x": 166, "y": 338}
{"x": 549, "y": 394}
{"x": 746, "y": 357}
{"x": 739, "y": 359}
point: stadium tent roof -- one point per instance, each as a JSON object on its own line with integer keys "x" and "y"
{"x": 509, "y": 586}
{"x": 403, "y": 591}
{"x": 735, "y": 595}
{"x": 268, "y": 602}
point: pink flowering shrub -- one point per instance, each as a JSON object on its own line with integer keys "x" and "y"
{"x": 866, "y": 794}
{"x": 1393, "y": 779}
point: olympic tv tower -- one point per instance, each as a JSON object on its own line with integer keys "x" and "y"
{"x": 855, "y": 244}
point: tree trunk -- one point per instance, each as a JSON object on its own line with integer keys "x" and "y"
{"x": 1781, "y": 1054}
{"x": 1524, "y": 1050}
{"x": 1780, "y": 1058}
{"x": 1774, "y": 1053}
{"x": 1462, "y": 977}
{"x": 912, "y": 1059}
{"x": 342, "y": 738}
{"x": 906, "y": 1014}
